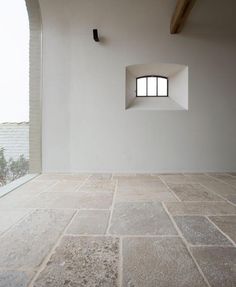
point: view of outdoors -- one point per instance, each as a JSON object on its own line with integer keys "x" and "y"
{"x": 14, "y": 90}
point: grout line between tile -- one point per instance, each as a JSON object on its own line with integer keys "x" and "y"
{"x": 69, "y": 224}
{"x": 83, "y": 183}
{"x": 186, "y": 245}
{"x": 222, "y": 181}
{"x": 48, "y": 256}
{"x": 49, "y": 186}
{"x": 201, "y": 214}
{"x": 230, "y": 240}
{"x": 112, "y": 207}
{"x": 122, "y": 236}
{"x": 219, "y": 195}
{"x": 172, "y": 192}
{"x": 31, "y": 210}
{"x": 120, "y": 269}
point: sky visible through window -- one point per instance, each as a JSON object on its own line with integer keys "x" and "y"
{"x": 14, "y": 61}
{"x": 152, "y": 86}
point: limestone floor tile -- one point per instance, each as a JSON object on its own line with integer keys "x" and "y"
{"x": 163, "y": 262}
{"x": 232, "y": 173}
{"x": 141, "y": 186}
{"x": 90, "y": 222}
{"x": 223, "y": 189}
{"x": 36, "y": 186}
{"x": 175, "y": 178}
{"x": 25, "y": 245}
{"x": 218, "y": 264}
{"x": 201, "y": 208}
{"x": 10, "y": 217}
{"x": 97, "y": 176}
{"x": 147, "y": 175}
{"x": 227, "y": 224}
{"x": 198, "y": 177}
{"x": 19, "y": 197}
{"x": 98, "y": 185}
{"x": 82, "y": 261}
{"x": 138, "y": 194}
{"x": 65, "y": 186}
{"x": 230, "y": 180}
{"x": 123, "y": 175}
{"x": 232, "y": 198}
{"x": 220, "y": 176}
{"x": 144, "y": 218}
{"x": 63, "y": 176}
{"x": 193, "y": 192}
{"x": 15, "y": 278}
{"x": 198, "y": 230}
{"x": 75, "y": 200}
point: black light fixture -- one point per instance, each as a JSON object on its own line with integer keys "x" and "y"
{"x": 95, "y": 35}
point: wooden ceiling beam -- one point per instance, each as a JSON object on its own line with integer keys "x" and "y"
{"x": 180, "y": 15}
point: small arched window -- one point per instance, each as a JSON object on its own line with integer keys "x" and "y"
{"x": 152, "y": 86}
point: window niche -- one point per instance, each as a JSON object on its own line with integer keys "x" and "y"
{"x": 156, "y": 87}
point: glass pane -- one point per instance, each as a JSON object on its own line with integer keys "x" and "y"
{"x": 152, "y": 86}
{"x": 162, "y": 87}
{"x": 141, "y": 87}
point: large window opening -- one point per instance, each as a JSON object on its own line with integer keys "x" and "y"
{"x": 14, "y": 90}
{"x": 152, "y": 86}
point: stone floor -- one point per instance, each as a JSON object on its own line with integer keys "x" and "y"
{"x": 145, "y": 230}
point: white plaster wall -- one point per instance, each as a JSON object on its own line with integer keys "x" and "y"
{"x": 85, "y": 125}
{"x": 178, "y": 87}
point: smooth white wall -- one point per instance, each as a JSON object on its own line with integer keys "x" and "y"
{"x": 178, "y": 87}
{"x": 85, "y": 125}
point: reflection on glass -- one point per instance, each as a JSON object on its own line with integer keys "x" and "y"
{"x": 152, "y": 86}
{"x": 162, "y": 87}
{"x": 141, "y": 87}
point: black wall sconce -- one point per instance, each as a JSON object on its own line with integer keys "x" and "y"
{"x": 95, "y": 35}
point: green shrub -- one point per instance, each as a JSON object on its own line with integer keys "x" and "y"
{"x": 12, "y": 169}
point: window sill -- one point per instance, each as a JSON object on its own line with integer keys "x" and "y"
{"x": 15, "y": 184}
{"x": 155, "y": 103}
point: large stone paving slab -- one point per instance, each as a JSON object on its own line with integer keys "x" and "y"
{"x": 232, "y": 174}
{"x": 10, "y": 217}
{"x": 175, "y": 178}
{"x": 218, "y": 264}
{"x": 143, "y": 195}
{"x": 36, "y": 186}
{"x": 227, "y": 224}
{"x": 82, "y": 261}
{"x": 193, "y": 192}
{"x": 15, "y": 278}
{"x": 144, "y": 190}
{"x": 63, "y": 176}
{"x": 136, "y": 184}
{"x": 98, "y": 185}
{"x": 201, "y": 208}
{"x": 123, "y": 175}
{"x": 162, "y": 262}
{"x": 25, "y": 245}
{"x": 100, "y": 176}
{"x": 20, "y": 196}
{"x": 198, "y": 177}
{"x": 141, "y": 219}
{"x": 221, "y": 176}
{"x": 223, "y": 189}
{"x": 225, "y": 177}
{"x": 85, "y": 199}
{"x": 65, "y": 186}
{"x": 90, "y": 222}
{"x": 198, "y": 230}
